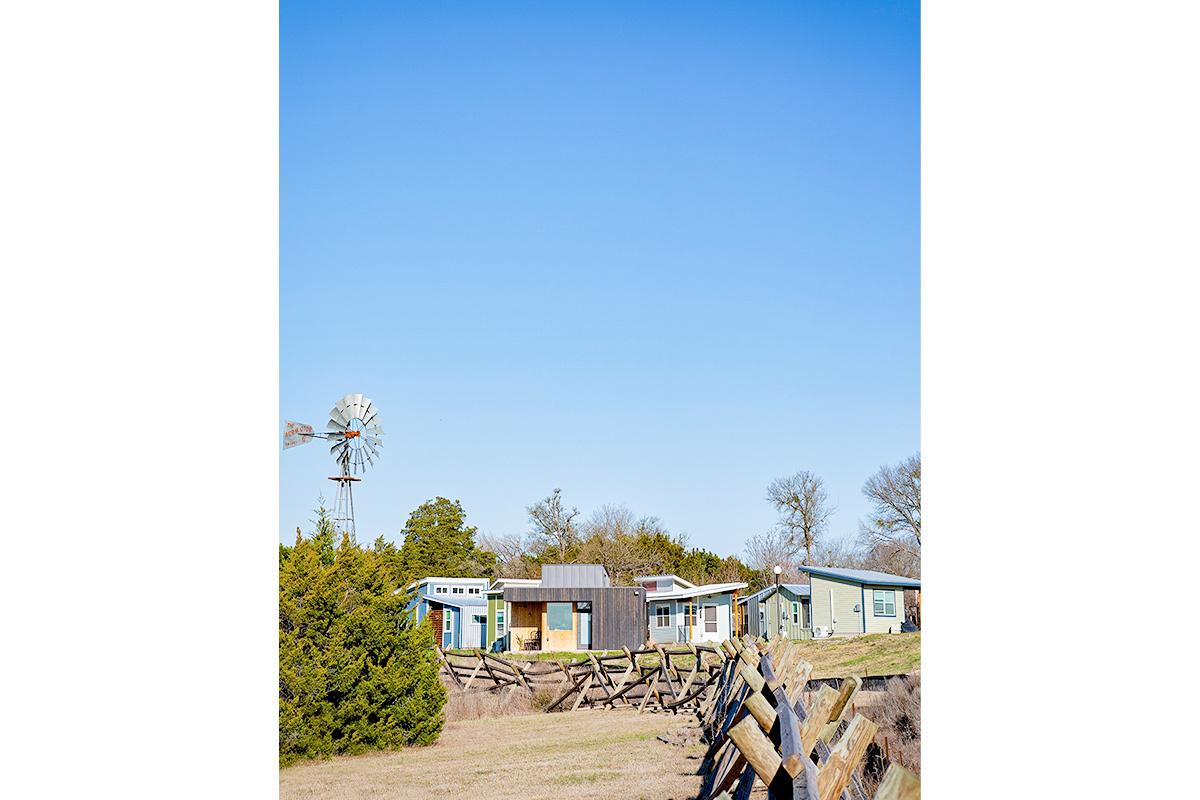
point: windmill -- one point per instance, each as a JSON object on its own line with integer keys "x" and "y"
{"x": 355, "y": 436}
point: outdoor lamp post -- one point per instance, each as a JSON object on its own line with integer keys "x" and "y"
{"x": 779, "y": 596}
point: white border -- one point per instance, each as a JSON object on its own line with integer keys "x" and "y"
{"x": 1059, "y": 395}
{"x": 138, "y": 157}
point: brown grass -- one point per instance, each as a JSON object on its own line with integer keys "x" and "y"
{"x": 877, "y": 654}
{"x": 462, "y": 706}
{"x": 584, "y": 754}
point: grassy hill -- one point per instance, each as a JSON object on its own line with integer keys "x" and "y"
{"x": 877, "y": 654}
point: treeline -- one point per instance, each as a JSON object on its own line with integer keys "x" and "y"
{"x": 626, "y": 544}
{"x": 438, "y": 541}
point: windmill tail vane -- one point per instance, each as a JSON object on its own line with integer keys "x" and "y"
{"x": 355, "y": 437}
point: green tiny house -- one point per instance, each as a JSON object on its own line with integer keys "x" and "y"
{"x": 851, "y": 602}
{"x": 764, "y": 609}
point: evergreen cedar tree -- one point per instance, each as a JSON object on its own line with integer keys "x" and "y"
{"x": 437, "y": 541}
{"x": 355, "y": 672}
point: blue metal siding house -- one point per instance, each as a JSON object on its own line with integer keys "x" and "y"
{"x": 456, "y": 607}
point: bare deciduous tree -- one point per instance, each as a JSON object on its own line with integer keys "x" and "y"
{"x": 554, "y": 525}
{"x": 895, "y": 495}
{"x": 839, "y": 553}
{"x": 804, "y": 504}
{"x": 511, "y": 555}
{"x": 766, "y": 550}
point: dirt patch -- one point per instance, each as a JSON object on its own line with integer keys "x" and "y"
{"x": 583, "y": 754}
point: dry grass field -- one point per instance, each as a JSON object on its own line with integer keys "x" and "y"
{"x": 877, "y": 654}
{"x": 585, "y": 754}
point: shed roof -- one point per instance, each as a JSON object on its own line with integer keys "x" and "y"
{"x": 675, "y": 578}
{"x": 438, "y": 579}
{"x": 574, "y": 576}
{"x": 867, "y": 576}
{"x": 696, "y": 591}
{"x": 794, "y": 588}
{"x": 498, "y": 585}
{"x": 460, "y": 601}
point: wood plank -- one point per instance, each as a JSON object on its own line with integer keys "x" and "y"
{"x": 817, "y": 716}
{"x": 835, "y": 774}
{"x": 846, "y": 693}
{"x": 583, "y": 692}
{"x": 899, "y": 784}
{"x": 757, "y": 749}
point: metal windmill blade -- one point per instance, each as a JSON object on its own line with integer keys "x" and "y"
{"x": 355, "y": 438}
{"x": 354, "y": 432}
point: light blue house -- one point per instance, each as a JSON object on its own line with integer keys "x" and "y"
{"x": 455, "y": 607}
{"x": 681, "y": 611}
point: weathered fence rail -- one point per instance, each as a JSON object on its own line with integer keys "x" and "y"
{"x": 653, "y": 678}
{"x": 755, "y": 700}
{"x": 760, "y": 727}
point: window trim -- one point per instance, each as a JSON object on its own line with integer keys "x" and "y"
{"x": 457, "y": 590}
{"x": 879, "y": 600}
{"x": 658, "y": 617}
{"x": 796, "y": 618}
{"x": 500, "y": 622}
{"x": 441, "y": 590}
{"x": 447, "y": 622}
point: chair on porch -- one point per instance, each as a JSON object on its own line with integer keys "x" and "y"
{"x": 534, "y": 642}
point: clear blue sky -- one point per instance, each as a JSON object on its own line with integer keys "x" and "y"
{"x": 653, "y": 254}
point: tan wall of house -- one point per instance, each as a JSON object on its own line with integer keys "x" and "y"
{"x": 844, "y": 620}
{"x": 884, "y": 624}
{"x": 526, "y": 621}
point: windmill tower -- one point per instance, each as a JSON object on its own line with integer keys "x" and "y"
{"x": 356, "y": 436}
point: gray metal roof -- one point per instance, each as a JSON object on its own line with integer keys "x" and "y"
{"x": 459, "y": 600}
{"x": 867, "y": 576}
{"x": 574, "y": 576}
{"x": 794, "y": 588}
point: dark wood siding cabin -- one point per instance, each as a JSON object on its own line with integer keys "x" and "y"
{"x": 576, "y": 608}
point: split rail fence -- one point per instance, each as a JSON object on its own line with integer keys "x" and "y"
{"x": 760, "y": 723}
{"x": 759, "y": 728}
{"x": 654, "y": 678}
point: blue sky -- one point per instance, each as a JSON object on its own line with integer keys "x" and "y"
{"x": 653, "y": 254}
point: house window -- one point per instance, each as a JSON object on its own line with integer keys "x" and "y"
{"x": 479, "y": 619}
{"x": 762, "y": 619}
{"x": 662, "y": 616}
{"x": 473, "y": 590}
{"x": 689, "y": 615}
{"x": 457, "y": 590}
{"x": 558, "y": 616}
{"x": 885, "y": 603}
{"x": 795, "y": 613}
{"x": 447, "y": 622}
{"x": 441, "y": 590}
{"x": 499, "y": 623}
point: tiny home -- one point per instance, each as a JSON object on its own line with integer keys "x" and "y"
{"x": 788, "y": 611}
{"x": 456, "y": 609}
{"x": 849, "y": 602}
{"x": 680, "y": 611}
{"x": 499, "y": 612}
{"x": 574, "y": 607}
